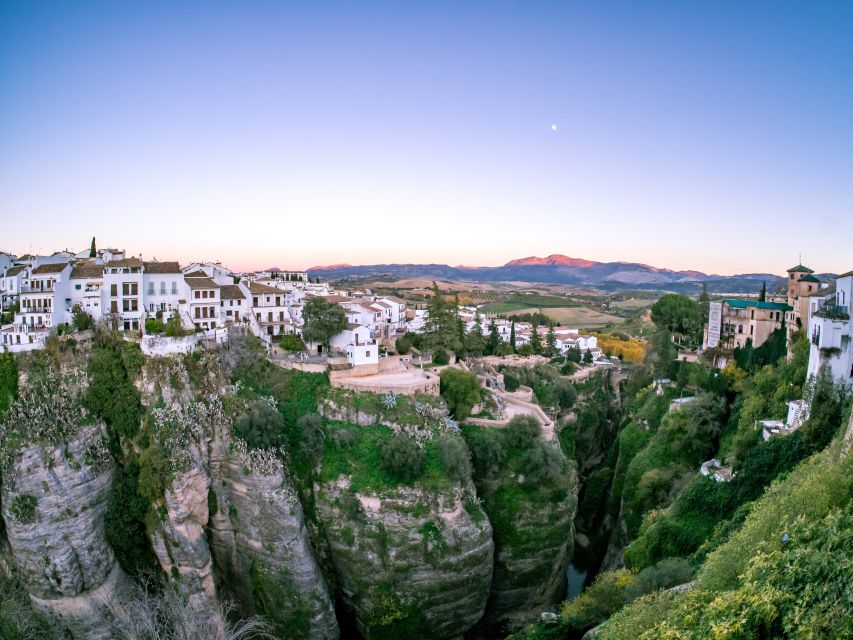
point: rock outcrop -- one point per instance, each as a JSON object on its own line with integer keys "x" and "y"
{"x": 411, "y": 562}
{"x": 262, "y": 550}
{"x": 53, "y": 504}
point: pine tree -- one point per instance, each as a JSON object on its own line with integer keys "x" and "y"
{"x": 762, "y": 296}
{"x": 93, "y": 252}
{"x": 512, "y": 337}
{"x": 494, "y": 338}
{"x": 474, "y": 341}
{"x": 536, "y": 340}
{"x": 551, "y": 341}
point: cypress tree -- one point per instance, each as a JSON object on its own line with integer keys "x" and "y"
{"x": 93, "y": 252}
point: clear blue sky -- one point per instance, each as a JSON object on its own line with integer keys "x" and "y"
{"x": 715, "y": 136}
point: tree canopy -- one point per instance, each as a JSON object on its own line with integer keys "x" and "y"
{"x": 323, "y": 320}
{"x": 678, "y": 315}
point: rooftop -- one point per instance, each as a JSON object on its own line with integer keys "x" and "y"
{"x": 126, "y": 262}
{"x": 809, "y": 278}
{"x": 800, "y": 269}
{"x": 50, "y": 268}
{"x": 745, "y": 304}
{"x": 257, "y": 287}
{"x": 162, "y": 267}
{"x": 13, "y": 271}
{"x": 201, "y": 283}
{"x": 231, "y": 292}
{"x": 87, "y": 270}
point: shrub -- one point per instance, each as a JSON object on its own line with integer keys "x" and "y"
{"x": 542, "y": 465}
{"x": 461, "y": 391}
{"x": 511, "y": 382}
{"x": 292, "y": 342}
{"x": 262, "y": 426}
{"x": 488, "y": 450}
{"x": 24, "y": 508}
{"x": 154, "y": 325}
{"x": 455, "y": 457}
{"x": 312, "y": 441}
{"x": 522, "y": 432}
{"x": 403, "y": 345}
{"x": 665, "y": 574}
{"x": 402, "y": 458}
{"x": 81, "y": 320}
{"x": 111, "y": 395}
{"x": 440, "y": 357}
{"x": 344, "y": 438}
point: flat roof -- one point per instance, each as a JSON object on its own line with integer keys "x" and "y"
{"x": 745, "y": 304}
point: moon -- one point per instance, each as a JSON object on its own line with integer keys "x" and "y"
{"x": 553, "y": 127}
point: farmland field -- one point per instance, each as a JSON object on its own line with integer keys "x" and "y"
{"x": 578, "y": 316}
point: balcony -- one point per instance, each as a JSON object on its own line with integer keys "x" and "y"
{"x": 28, "y": 288}
{"x": 833, "y": 312}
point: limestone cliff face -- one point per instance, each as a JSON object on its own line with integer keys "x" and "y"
{"x": 180, "y": 542}
{"x": 262, "y": 550}
{"x": 53, "y": 504}
{"x": 534, "y": 541}
{"x": 410, "y": 562}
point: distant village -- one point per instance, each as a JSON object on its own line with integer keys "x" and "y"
{"x": 41, "y": 294}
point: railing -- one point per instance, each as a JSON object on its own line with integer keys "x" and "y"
{"x": 833, "y": 312}
{"x": 28, "y": 288}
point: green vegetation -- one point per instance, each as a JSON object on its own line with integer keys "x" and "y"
{"x": 81, "y": 321}
{"x": 678, "y": 315}
{"x": 323, "y": 320}
{"x": 291, "y": 342}
{"x": 125, "y": 522}
{"x": 8, "y": 381}
{"x": 402, "y": 458}
{"x": 461, "y": 391}
{"x": 111, "y": 394}
{"x": 24, "y": 508}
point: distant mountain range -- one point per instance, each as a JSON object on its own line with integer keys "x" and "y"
{"x": 560, "y": 269}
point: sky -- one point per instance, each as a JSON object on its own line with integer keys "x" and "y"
{"x": 715, "y": 136}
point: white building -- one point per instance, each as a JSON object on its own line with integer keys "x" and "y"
{"x": 203, "y": 301}
{"x": 233, "y": 304}
{"x": 360, "y": 348}
{"x": 164, "y": 287}
{"x": 830, "y": 331}
{"x": 87, "y": 281}
{"x": 123, "y": 292}
{"x": 44, "y": 301}
{"x": 11, "y": 283}
{"x": 269, "y": 305}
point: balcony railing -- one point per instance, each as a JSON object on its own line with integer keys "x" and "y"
{"x": 28, "y": 288}
{"x": 833, "y": 312}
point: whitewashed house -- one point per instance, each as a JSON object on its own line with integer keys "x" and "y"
{"x": 87, "y": 281}
{"x": 357, "y": 343}
{"x": 44, "y": 301}
{"x": 123, "y": 292}
{"x": 270, "y": 308}
{"x": 11, "y": 283}
{"x": 234, "y": 306}
{"x": 203, "y": 301}
{"x": 164, "y": 287}
{"x": 214, "y": 270}
{"x": 831, "y": 332}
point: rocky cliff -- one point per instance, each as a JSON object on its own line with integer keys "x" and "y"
{"x": 53, "y": 504}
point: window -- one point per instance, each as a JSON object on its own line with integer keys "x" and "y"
{"x": 198, "y": 312}
{"x": 114, "y": 306}
{"x": 740, "y": 328}
{"x": 113, "y": 290}
{"x": 162, "y": 287}
{"x": 77, "y": 287}
{"x": 367, "y": 354}
{"x": 129, "y": 304}
{"x": 197, "y": 294}
{"x": 751, "y": 329}
{"x": 174, "y": 288}
{"x": 150, "y": 288}
{"x": 129, "y": 289}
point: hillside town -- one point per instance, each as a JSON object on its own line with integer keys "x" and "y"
{"x": 170, "y": 307}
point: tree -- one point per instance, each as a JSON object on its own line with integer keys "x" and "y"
{"x": 402, "y": 458}
{"x": 662, "y": 352}
{"x": 703, "y": 303}
{"x": 93, "y": 252}
{"x": 461, "y": 391}
{"x": 475, "y": 344}
{"x": 173, "y": 326}
{"x": 536, "y": 340}
{"x": 403, "y": 344}
{"x": 111, "y": 395}
{"x": 512, "y": 336}
{"x": 80, "y": 319}
{"x": 551, "y": 341}
{"x": 762, "y": 295}
{"x": 442, "y": 327}
{"x": 323, "y": 320}
{"x": 587, "y": 357}
{"x": 677, "y": 314}
{"x": 494, "y": 340}
{"x": 8, "y": 381}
